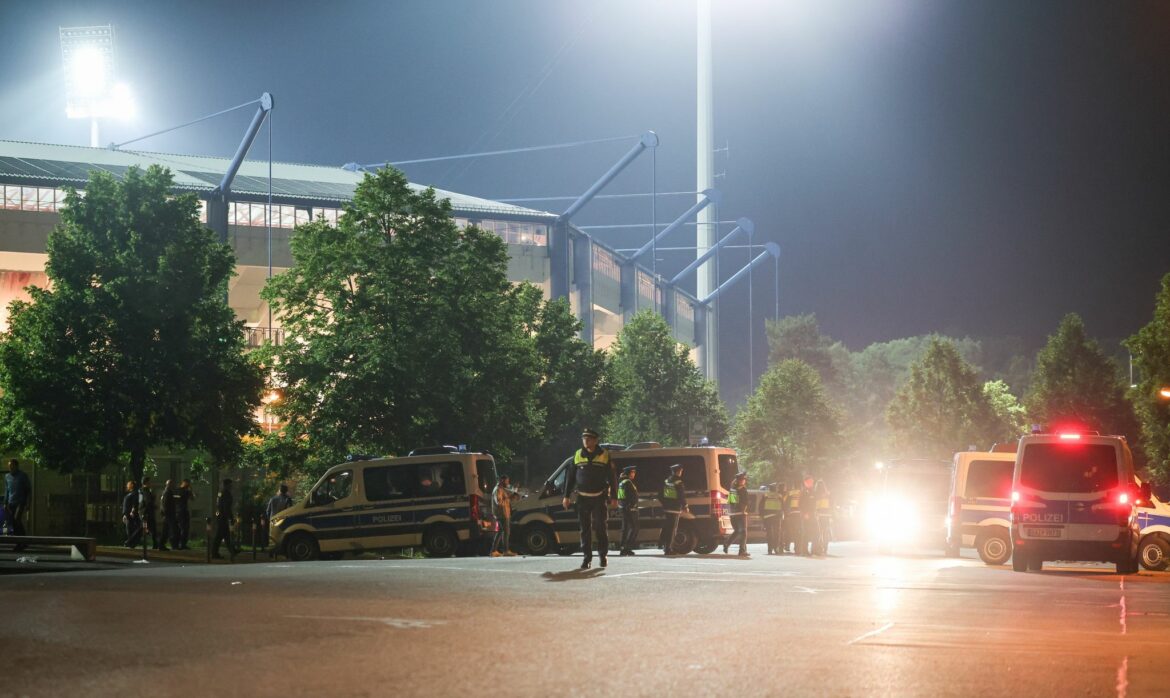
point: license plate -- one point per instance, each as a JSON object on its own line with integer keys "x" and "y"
{"x": 1043, "y": 532}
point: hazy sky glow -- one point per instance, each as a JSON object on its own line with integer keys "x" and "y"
{"x": 974, "y": 168}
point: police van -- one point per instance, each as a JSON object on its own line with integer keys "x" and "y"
{"x": 1074, "y": 497}
{"x": 977, "y": 514}
{"x": 436, "y": 498}
{"x": 1154, "y": 520}
{"x": 545, "y": 526}
{"x": 909, "y": 507}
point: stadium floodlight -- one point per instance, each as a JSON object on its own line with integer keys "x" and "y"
{"x": 91, "y": 91}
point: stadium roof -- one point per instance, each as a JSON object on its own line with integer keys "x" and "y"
{"x": 35, "y": 163}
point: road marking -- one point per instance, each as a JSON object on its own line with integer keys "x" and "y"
{"x": 806, "y": 590}
{"x": 870, "y": 634}
{"x": 625, "y": 574}
{"x": 400, "y": 623}
{"x": 1123, "y": 678}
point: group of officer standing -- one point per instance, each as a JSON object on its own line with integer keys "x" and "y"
{"x": 799, "y": 518}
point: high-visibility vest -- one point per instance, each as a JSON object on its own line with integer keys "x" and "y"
{"x": 733, "y": 497}
{"x": 772, "y": 502}
{"x": 670, "y": 489}
{"x": 823, "y": 505}
{"x": 624, "y": 488}
{"x": 579, "y": 458}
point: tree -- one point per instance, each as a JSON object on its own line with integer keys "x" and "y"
{"x": 1075, "y": 381}
{"x": 787, "y": 423}
{"x": 941, "y": 408}
{"x": 402, "y": 330}
{"x": 1151, "y": 357}
{"x": 661, "y": 395}
{"x": 133, "y": 346}
{"x": 799, "y": 337}
{"x": 575, "y": 390}
{"x": 1009, "y": 418}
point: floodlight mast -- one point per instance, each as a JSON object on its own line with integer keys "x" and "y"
{"x": 87, "y": 54}
{"x": 217, "y": 201}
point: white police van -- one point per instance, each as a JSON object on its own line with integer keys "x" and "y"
{"x": 545, "y": 526}
{"x": 436, "y": 498}
{"x": 1074, "y": 497}
{"x": 978, "y": 512}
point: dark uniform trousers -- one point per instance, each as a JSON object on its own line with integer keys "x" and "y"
{"x": 629, "y": 528}
{"x": 772, "y": 530}
{"x": 806, "y": 542}
{"x": 738, "y": 532}
{"x": 669, "y": 530}
{"x": 223, "y": 528}
{"x": 591, "y": 515}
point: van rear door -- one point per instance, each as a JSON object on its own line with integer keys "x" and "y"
{"x": 1065, "y": 488}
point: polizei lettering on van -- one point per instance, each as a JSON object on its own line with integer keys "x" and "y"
{"x": 1042, "y": 518}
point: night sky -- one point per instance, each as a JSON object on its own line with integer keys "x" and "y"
{"x": 974, "y": 168}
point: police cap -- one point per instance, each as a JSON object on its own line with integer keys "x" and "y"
{"x": 676, "y": 467}
{"x": 629, "y": 469}
{"x": 590, "y": 432}
{"x": 741, "y": 475}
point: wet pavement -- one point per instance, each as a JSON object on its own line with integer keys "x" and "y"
{"x": 854, "y": 623}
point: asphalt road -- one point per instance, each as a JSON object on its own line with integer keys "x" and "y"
{"x": 851, "y": 624}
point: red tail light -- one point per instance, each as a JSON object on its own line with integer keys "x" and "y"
{"x": 475, "y": 513}
{"x": 1123, "y": 498}
{"x": 718, "y": 508}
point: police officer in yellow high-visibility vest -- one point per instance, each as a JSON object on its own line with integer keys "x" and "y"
{"x": 592, "y": 476}
{"x": 771, "y": 512}
{"x": 628, "y": 505}
{"x": 790, "y": 528}
{"x": 737, "y": 500}
{"x": 824, "y": 518}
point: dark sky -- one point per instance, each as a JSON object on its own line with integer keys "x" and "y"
{"x": 975, "y": 168}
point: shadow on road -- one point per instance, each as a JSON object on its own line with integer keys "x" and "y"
{"x": 571, "y": 575}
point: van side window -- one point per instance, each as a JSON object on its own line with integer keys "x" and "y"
{"x": 652, "y": 472}
{"x": 440, "y": 479}
{"x": 388, "y": 483}
{"x": 486, "y": 471}
{"x": 336, "y": 488}
{"x": 990, "y": 479}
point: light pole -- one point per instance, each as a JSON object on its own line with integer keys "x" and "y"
{"x": 91, "y": 91}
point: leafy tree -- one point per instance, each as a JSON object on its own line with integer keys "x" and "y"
{"x": 575, "y": 390}
{"x": 133, "y": 346}
{"x": 402, "y": 330}
{"x": 661, "y": 394}
{"x": 1151, "y": 357}
{"x": 1010, "y": 420}
{"x": 787, "y": 423}
{"x": 941, "y": 408}
{"x": 1075, "y": 381}
{"x": 799, "y": 337}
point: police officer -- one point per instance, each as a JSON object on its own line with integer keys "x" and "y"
{"x": 183, "y": 497}
{"x": 148, "y": 505}
{"x": 824, "y": 517}
{"x": 808, "y": 517}
{"x": 628, "y": 504}
{"x": 130, "y": 514}
{"x": 790, "y": 527}
{"x": 593, "y": 478}
{"x": 170, "y": 527}
{"x": 223, "y": 521}
{"x": 674, "y": 503}
{"x": 737, "y": 498}
{"x": 771, "y": 512}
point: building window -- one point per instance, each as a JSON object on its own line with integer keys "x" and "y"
{"x": 646, "y": 289}
{"x": 512, "y": 232}
{"x": 43, "y": 199}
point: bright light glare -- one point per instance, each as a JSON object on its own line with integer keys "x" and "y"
{"x": 1164, "y": 392}
{"x": 893, "y": 520}
{"x": 1070, "y": 437}
{"x": 87, "y": 71}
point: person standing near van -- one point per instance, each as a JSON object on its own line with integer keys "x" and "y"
{"x": 737, "y": 497}
{"x": 628, "y": 504}
{"x": 224, "y": 504}
{"x": 790, "y": 526}
{"x": 502, "y": 497}
{"x": 674, "y": 503}
{"x": 170, "y": 528}
{"x": 771, "y": 511}
{"x": 824, "y": 517}
{"x": 17, "y": 495}
{"x": 593, "y": 478}
{"x": 808, "y": 517}
{"x": 183, "y": 499}
{"x": 131, "y": 515}
{"x": 278, "y": 503}
{"x": 148, "y": 505}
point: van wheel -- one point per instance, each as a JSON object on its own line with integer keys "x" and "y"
{"x": 538, "y": 539}
{"x": 1019, "y": 561}
{"x": 302, "y": 547}
{"x": 706, "y": 546}
{"x": 994, "y": 548}
{"x": 684, "y": 542}
{"x": 1154, "y": 553}
{"x": 440, "y": 541}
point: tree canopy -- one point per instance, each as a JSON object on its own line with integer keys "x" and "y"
{"x": 942, "y": 407}
{"x": 1150, "y": 347}
{"x": 1075, "y": 382}
{"x": 402, "y": 330}
{"x": 660, "y": 394}
{"x": 133, "y": 345}
{"x": 787, "y": 423}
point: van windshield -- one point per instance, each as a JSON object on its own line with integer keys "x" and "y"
{"x": 1062, "y": 467}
